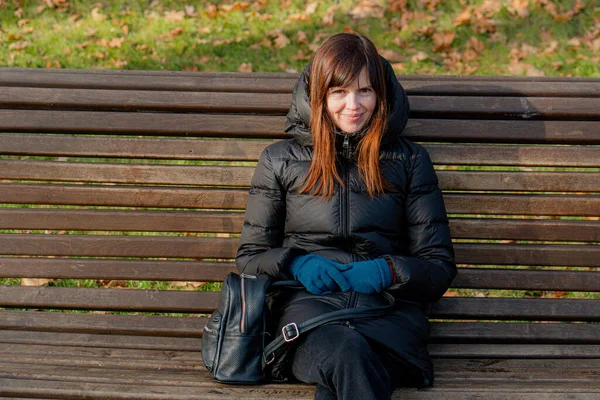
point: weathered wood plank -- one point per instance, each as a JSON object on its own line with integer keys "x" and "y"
{"x": 472, "y": 278}
{"x": 231, "y": 222}
{"x": 84, "y": 268}
{"x": 482, "y": 107}
{"x": 249, "y": 150}
{"x": 261, "y": 126}
{"x": 137, "y": 196}
{"x": 155, "y": 332}
{"x": 512, "y": 351}
{"x": 517, "y": 309}
{"x": 283, "y": 82}
{"x": 126, "y": 196}
{"x": 118, "y": 246}
{"x": 223, "y": 248}
{"x": 205, "y": 302}
{"x": 108, "y": 299}
{"x": 507, "y": 279}
{"x": 460, "y": 333}
{"x": 224, "y": 176}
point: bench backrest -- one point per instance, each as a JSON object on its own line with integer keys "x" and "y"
{"x": 112, "y": 176}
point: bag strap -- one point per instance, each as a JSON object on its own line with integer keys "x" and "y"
{"x": 292, "y": 331}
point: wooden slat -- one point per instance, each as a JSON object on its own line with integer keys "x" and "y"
{"x": 261, "y": 126}
{"x": 90, "y": 146}
{"x": 118, "y": 246}
{"x": 131, "y": 196}
{"x": 97, "y": 195}
{"x": 283, "y": 82}
{"x": 511, "y": 351}
{"x": 126, "y": 173}
{"x": 203, "y": 302}
{"x": 201, "y": 175}
{"x": 460, "y": 333}
{"x": 524, "y": 254}
{"x": 484, "y": 278}
{"x": 145, "y": 100}
{"x": 487, "y": 278}
{"x": 84, "y": 268}
{"x": 116, "y": 220}
{"x": 201, "y": 247}
{"x": 182, "y": 333}
{"x": 91, "y": 340}
{"x": 231, "y": 222}
{"x": 108, "y": 299}
{"x": 523, "y": 229}
{"x": 249, "y": 150}
{"x": 274, "y": 103}
{"x": 107, "y": 324}
{"x": 517, "y": 309}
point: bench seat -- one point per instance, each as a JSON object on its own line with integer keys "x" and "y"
{"x": 108, "y": 177}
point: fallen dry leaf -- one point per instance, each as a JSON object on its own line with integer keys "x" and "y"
{"x": 211, "y": 10}
{"x": 22, "y": 22}
{"x": 300, "y": 56}
{"x": 311, "y": 8}
{"x": 420, "y": 56}
{"x": 118, "y": 63}
{"x": 490, "y": 7}
{"x": 97, "y": 15}
{"x": 519, "y": 8}
{"x": 368, "y": 9}
{"x": 190, "y": 11}
{"x": 552, "y": 47}
{"x": 328, "y": 18}
{"x": 35, "y": 281}
{"x": 237, "y": 6}
{"x": 99, "y": 55}
{"x": 398, "y": 67}
{"x": 430, "y": 4}
{"x": 574, "y": 42}
{"x": 302, "y": 37}
{"x": 521, "y": 68}
{"x": 19, "y": 45}
{"x": 463, "y": 18}
{"x": 392, "y": 56}
{"x": 125, "y": 29}
{"x": 281, "y": 41}
{"x": 174, "y": 16}
{"x": 175, "y": 32}
{"x": 245, "y": 67}
{"x": 116, "y": 43}
{"x": 476, "y": 44}
{"x": 443, "y": 40}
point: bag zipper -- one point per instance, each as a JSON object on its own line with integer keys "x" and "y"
{"x": 243, "y": 319}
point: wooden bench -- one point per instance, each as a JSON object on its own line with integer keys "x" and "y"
{"x": 112, "y": 176}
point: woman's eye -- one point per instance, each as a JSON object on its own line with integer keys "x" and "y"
{"x": 365, "y": 90}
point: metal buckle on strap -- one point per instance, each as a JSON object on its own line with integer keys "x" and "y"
{"x": 271, "y": 359}
{"x": 290, "y": 332}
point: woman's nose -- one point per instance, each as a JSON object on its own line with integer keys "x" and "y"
{"x": 352, "y": 101}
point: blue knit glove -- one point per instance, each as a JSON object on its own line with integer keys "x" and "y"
{"x": 369, "y": 276}
{"x": 318, "y": 274}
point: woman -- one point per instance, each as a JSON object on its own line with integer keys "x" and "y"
{"x": 350, "y": 208}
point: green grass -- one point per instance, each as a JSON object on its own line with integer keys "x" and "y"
{"x": 80, "y": 37}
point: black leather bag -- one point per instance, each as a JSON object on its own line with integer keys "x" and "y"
{"x": 237, "y": 344}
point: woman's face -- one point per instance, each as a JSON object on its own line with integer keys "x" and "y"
{"x": 351, "y": 107}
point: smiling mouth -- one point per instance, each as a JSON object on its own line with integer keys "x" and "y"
{"x": 353, "y": 117}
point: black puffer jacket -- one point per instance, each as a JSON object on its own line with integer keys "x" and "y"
{"x": 408, "y": 224}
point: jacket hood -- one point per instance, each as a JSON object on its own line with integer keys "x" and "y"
{"x": 298, "y": 117}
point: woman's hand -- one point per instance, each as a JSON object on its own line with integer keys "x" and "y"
{"x": 368, "y": 276}
{"x": 318, "y": 274}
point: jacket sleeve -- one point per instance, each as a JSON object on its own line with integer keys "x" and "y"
{"x": 426, "y": 273}
{"x": 260, "y": 247}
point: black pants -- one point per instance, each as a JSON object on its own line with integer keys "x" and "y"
{"x": 344, "y": 365}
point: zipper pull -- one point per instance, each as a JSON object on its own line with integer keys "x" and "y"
{"x": 346, "y": 141}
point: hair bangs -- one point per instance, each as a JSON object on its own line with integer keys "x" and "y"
{"x": 346, "y": 69}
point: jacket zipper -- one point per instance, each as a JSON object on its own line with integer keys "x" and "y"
{"x": 346, "y": 195}
{"x": 345, "y": 198}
